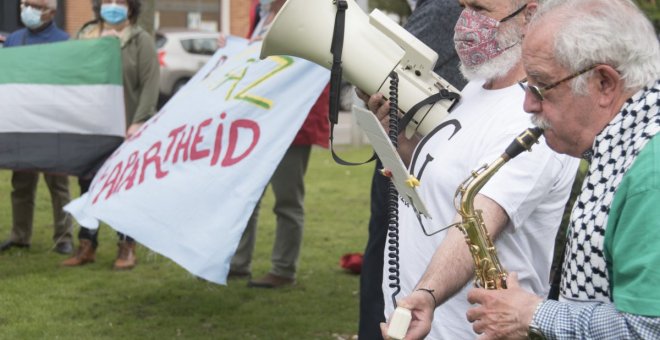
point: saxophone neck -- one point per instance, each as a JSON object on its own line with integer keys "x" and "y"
{"x": 469, "y": 189}
{"x": 471, "y": 186}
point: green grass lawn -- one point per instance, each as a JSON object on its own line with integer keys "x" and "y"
{"x": 160, "y": 300}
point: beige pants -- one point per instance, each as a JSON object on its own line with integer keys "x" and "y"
{"x": 289, "y": 189}
{"x": 24, "y": 185}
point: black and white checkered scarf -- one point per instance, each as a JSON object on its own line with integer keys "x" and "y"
{"x": 584, "y": 273}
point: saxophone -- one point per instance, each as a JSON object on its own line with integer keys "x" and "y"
{"x": 488, "y": 271}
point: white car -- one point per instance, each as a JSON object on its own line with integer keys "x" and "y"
{"x": 180, "y": 55}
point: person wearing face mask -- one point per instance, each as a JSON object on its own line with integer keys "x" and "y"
{"x": 118, "y": 18}
{"x": 522, "y": 203}
{"x": 37, "y": 16}
{"x": 432, "y": 22}
{"x": 287, "y": 183}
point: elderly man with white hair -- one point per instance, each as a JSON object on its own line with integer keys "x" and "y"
{"x": 593, "y": 84}
{"x": 37, "y": 16}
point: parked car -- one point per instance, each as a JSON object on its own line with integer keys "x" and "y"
{"x": 181, "y": 54}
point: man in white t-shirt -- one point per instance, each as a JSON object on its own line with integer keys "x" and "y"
{"x": 523, "y": 202}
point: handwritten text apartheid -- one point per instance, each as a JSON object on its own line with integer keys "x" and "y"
{"x": 200, "y": 142}
{"x": 183, "y": 145}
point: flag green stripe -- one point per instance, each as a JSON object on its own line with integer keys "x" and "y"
{"x": 73, "y": 62}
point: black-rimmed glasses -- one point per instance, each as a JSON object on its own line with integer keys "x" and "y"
{"x": 538, "y": 91}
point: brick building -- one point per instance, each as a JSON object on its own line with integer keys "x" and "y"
{"x": 226, "y": 15}
{"x": 76, "y": 13}
{"x": 214, "y": 15}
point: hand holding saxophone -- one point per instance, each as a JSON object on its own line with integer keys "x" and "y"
{"x": 515, "y": 297}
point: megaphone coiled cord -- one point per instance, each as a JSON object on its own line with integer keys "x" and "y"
{"x": 393, "y": 195}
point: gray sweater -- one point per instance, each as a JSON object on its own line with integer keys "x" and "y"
{"x": 433, "y": 22}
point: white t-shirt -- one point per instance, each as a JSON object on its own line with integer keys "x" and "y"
{"x": 532, "y": 188}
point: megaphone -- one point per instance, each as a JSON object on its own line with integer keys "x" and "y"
{"x": 374, "y": 46}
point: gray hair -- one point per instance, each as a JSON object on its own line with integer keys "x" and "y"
{"x": 515, "y": 4}
{"x": 613, "y": 32}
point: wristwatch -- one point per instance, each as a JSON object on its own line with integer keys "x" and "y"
{"x": 534, "y": 332}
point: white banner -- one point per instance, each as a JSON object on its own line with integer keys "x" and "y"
{"x": 187, "y": 183}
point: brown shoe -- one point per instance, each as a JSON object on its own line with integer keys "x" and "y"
{"x": 85, "y": 254}
{"x": 271, "y": 281}
{"x": 126, "y": 255}
{"x": 238, "y": 275}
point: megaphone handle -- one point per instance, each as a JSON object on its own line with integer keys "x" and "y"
{"x": 399, "y": 323}
{"x": 335, "y": 86}
{"x": 336, "y": 48}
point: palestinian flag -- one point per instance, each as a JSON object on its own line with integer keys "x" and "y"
{"x": 61, "y": 106}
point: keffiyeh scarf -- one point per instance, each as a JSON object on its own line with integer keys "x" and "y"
{"x": 584, "y": 272}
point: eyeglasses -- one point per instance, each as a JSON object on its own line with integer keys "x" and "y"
{"x": 538, "y": 91}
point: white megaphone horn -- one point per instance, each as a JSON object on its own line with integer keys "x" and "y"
{"x": 374, "y": 46}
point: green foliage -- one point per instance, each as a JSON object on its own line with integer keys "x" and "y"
{"x": 399, "y": 7}
{"x": 160, "y": 300}
{"x": 650, "y": 7}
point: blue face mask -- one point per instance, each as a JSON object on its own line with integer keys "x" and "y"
{"x": 114, "y": 14}
{"x": 31, "y": 17}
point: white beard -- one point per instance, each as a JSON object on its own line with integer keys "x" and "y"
{"x": 538, "y": 121}
{"x": 501, "y": 65}
{"x": 494, "y": 68}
